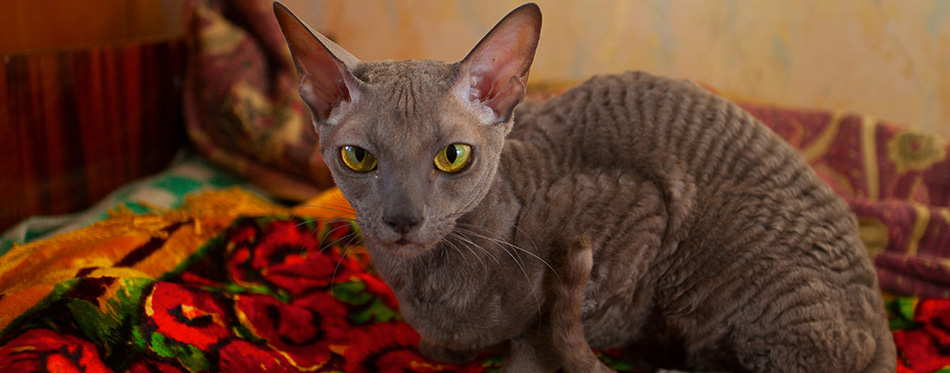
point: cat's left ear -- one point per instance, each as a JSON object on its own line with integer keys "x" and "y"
{"x": 495, "y": 73}
{"x": 323, "y": 67}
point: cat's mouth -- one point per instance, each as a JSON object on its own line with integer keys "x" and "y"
{"x": 404, "y": 246}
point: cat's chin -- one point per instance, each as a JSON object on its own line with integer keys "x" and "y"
{"x": 405, "y": 249}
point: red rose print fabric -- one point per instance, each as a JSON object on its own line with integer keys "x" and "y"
{"x": 269, "y": 293}
{"x": 288, "y": 295}
{"x": 40, "y": 350}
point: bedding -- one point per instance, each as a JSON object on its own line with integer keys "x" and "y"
{"x": 231, "y": 282}
{"x": 188, "y": 172}
{"x": 195, "y": 270}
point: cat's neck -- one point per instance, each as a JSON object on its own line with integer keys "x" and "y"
{"x": 487, "y": 229}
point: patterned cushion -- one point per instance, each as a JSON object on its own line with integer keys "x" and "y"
{"x": 241, "y": 107}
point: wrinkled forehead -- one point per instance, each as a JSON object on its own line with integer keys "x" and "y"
{"x": 404, "y": 89}
{"x": 407, "y": 104}
{"x": 380, "y": 72}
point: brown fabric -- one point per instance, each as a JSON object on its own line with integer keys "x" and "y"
{"x": 241, "y": 106}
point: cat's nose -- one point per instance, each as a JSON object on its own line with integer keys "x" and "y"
{"x": 402, "y": 224}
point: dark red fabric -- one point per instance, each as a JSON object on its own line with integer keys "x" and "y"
{"x": 76, "y": 125}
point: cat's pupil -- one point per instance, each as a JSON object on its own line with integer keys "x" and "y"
{"x": 451, "y": 154}
{"x": 359, "y": 153}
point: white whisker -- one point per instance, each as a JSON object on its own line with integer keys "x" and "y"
{"x": 473, "y": 244}
{"x": 511, "y": 254}
{"x": 508, "y": 244}
{"x": 454, "y": 234}
{"x": 334, "y": 230}
{"x": 340, "y": 261}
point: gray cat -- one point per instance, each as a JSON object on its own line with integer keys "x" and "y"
{"x": 632, "y": 211}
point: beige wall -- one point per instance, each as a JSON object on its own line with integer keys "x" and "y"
{"x": 886, "y": 58}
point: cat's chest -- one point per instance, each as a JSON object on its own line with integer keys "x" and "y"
{"x": 625, "y": 216}
{"x": 571, "y": 201}
{"x": 466, "y": 304}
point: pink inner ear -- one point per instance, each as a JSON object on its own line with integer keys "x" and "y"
{"x": 323, "y": 88}
{"x": 504, "y": 98}
{"x": 498, "y": 66}
{"x": 322, "y": 76}
{"x": 507, "y": 53}
{"x": 322, "y": 84}
{"x": 498, "y": 81}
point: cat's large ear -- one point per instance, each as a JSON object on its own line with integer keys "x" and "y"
{"x": 495, "y": 73}
{"x": 323, "y": 67}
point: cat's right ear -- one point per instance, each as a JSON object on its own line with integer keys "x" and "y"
{"x": 323, "y": 67}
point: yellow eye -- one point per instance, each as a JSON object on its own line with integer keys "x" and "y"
{"x": 453, "y": 158}
{"x": 357, "y": 158}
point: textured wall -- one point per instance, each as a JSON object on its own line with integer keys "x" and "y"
{"x": 886, "y": 58}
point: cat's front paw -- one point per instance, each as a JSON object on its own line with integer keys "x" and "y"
{"x": 437, "y": 352}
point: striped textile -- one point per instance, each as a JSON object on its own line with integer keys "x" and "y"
{"x": 75, "y": 125}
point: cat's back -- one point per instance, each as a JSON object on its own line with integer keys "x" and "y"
{"x": 623, "y": 120}
{"x": 719, "y": 157}
{"x": 728, "y": 181}
{"x": 748, "y": 222}
{"x": 704, "y": 151}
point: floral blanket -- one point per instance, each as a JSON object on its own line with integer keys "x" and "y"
{"x": 226, "y": 283}
{"x": 229, "y": 282}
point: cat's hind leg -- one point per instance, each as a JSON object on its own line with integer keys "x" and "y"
{"x": 884, "y": 358}
{"x": 807, "y": 338}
